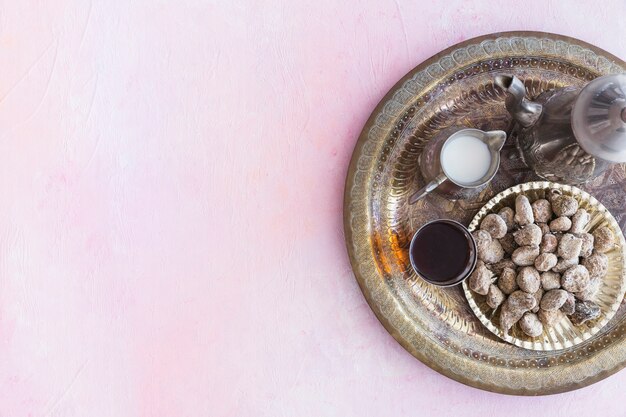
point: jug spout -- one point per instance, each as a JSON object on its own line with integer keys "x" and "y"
{"x": 524, "y": 111}
{"x": 495, "y": 140}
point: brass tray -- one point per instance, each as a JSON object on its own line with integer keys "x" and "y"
{"x": 437, "y": 325}
{"x": 609, "y": 297}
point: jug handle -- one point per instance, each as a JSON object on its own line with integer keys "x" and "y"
{"x": 430, "y": 187}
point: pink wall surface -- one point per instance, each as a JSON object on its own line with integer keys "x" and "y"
{"x": 172, "y": 176}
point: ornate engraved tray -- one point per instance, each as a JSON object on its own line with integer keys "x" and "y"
{"x": 435, "y": 324}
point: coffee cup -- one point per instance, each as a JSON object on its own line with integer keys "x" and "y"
{"x": 443, "y": 252}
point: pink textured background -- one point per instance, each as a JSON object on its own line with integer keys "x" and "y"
{"x": 172, "y": 175}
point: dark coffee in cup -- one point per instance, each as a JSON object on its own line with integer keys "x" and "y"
{"x": 443, "y": 252}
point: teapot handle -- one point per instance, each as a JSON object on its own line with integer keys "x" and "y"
{"x": 430, "y": 187}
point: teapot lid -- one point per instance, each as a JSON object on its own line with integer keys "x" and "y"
{"x": 599, "y": 118}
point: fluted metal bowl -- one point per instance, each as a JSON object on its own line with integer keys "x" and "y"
{"x": 564, "y": 334}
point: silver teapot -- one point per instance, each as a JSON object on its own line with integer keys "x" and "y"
{"x": 570, "y": 135}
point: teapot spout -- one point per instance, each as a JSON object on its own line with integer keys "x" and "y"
{"x": 524, "y": 111}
